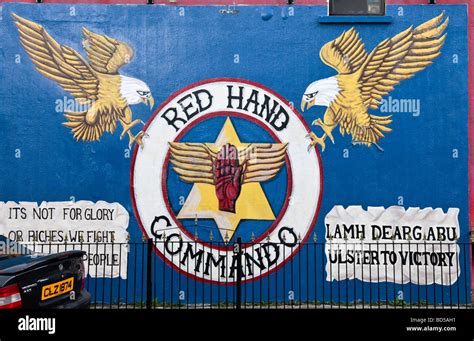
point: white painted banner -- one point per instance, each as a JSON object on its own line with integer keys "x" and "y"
{"x": 99, "y": 229}
{"x": 392, "y": 245}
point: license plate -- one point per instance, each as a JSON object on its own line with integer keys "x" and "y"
{"x": 56, "y": 289}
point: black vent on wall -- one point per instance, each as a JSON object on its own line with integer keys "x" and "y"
{"x": 357, "y": 7}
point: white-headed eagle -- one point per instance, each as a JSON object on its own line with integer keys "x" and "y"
{"x": 96, "y": 85}
{"x": 364, "y": 78}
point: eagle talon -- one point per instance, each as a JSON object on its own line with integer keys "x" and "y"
{"x": 128, "y": 126}
{"x": 327, "y": 129}
{"x": 317, "y": 140}
{"x": 137, "y": 138}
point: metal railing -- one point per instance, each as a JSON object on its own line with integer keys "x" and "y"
{"x": 310, "y": 275}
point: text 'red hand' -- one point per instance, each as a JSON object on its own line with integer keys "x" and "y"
{"x": 227, "y": 177}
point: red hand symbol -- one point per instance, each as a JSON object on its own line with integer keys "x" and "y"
{"x": 227, "y": 177}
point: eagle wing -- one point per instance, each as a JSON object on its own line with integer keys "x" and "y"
{"x": 59, "y": 63}
{"x": 262, "y": 161}
{"x": 400, "y": 57}
{"x": 192, "y": 161}
{"x": 364, "y": 127}
{"x": 346, "y": 54}
{"x": 106, "y": 55}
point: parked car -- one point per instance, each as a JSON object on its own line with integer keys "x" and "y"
{"x": 33, "y": 281}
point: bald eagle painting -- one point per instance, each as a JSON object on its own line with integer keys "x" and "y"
{"x": 105, "y": 94}
{"x": 364, "y": 78}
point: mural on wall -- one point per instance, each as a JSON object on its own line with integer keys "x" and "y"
{"x": 251, "y": 179}
{"x": 365, "y": 78}
{"x": 393, "y": 244}
{"x": 226, "y": 156}
{"x": 97, "y": 85}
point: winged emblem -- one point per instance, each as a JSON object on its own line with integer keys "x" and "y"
{"x": 364, "y": 78}
{"x": 97, "y": 85}
{"x": 228, "y": 169}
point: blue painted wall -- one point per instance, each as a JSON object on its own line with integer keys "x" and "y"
{"x": 276, "y": 50}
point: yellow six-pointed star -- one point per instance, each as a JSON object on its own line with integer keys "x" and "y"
{"x": 196, "y": 163}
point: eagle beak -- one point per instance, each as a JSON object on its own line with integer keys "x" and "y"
{"x": 152, "y": 102}
{"x": 303, "y": 105}
{"x": 149, "y": 101}
{"x": 306, "y": 105}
